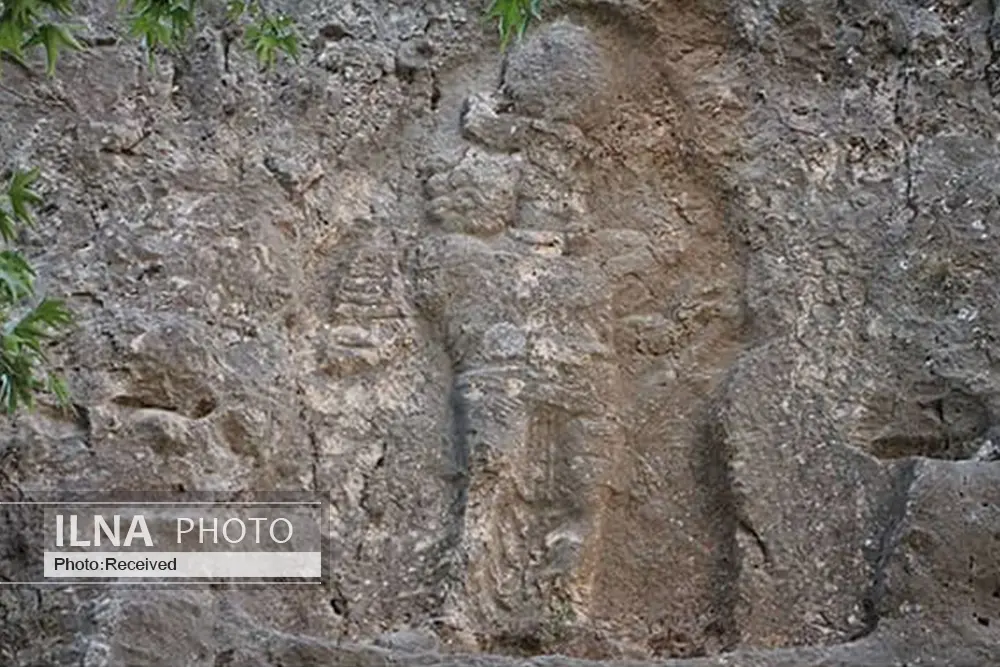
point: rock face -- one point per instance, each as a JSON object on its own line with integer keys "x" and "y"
{"x": 669, "y": 334}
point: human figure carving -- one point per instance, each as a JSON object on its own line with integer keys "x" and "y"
{"x": 527, "y": 330}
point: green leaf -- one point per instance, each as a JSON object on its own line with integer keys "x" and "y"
{"x": 180, "y": 20}
{"x": 5, "y": 387}
{"x": 56, "y": 386}
{"x": 21, "y": 354}
{"x": 235, "y": 9}
{"x": 6, "y": 391}
{"x": 12, "y": 37}
{"x": 7, "y": 225}
{"x": 21, "y": 196}
{"x": 53, "y": 37}
{"x": 22, "y": 13}
{"x": 290, "y": 45}
{"x": 61, "y": 7}
{"x": 160, "y": 23}
{"x": 269, "y": 36}
{"x": 513, "y": 17}
{"x": 47, "y": 315}
{"x": 17, "y": 278}
{"x": 67, "y": 38}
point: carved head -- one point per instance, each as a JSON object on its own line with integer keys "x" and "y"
{"x": 477, "y": 196}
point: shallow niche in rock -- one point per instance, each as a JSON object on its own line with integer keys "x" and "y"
{"x": 196, "y": 406}
{"x": 166, "y": 433}
{"x": 953, "y": 426}
{"x": 412, "y": 57}
{"x": 240, "y": 430}
{"x": 559, "y": 73}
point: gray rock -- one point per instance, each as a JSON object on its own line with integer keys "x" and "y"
{"x": 558, "y": 73}
{"x": 668, "y": 337}
{"x": 484, "y": 122}
{"x": 409, "y": 641}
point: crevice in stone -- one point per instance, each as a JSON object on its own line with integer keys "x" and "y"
{"x": 893, "y": 512}
{"x": 765, "y": 552}
{"x": 900, "y": 120}
{"x": 365, "y": 500}
{"x": 84, "y": 423}
{"x": 435, "y": 91}
{"x": 911, "y": 203}
{"x": 334, "y": 32}
{"x": 226, "y": 37}
{"x": 721, "y": 512}
{"x": 314, "y": 450}
{"x": 139, "y": 403}
{"x": 459, "y": 473}
{"x": 203, "y": 408}
{"x": 992, "y": 71}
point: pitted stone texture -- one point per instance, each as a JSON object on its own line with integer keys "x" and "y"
{"x": 477, "y": 196}
{"x": 619, "y": 348}
{"x": 927, "y": 577}
{"x": 559, "y": 73}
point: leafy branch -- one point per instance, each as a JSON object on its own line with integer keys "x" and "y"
{"x": 25, "y": 327}
{"x": 513, "y": 17}
{"x": 28, "y": 23}
{"x": 26, "y": 323}
{"x": 266, "y": 35}
{"x": 166, "y": 23}
{"x": 158, "y": 22}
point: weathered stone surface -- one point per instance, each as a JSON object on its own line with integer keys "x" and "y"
{"x": 668, "y": 335}
{"x": 559, "y": 74}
